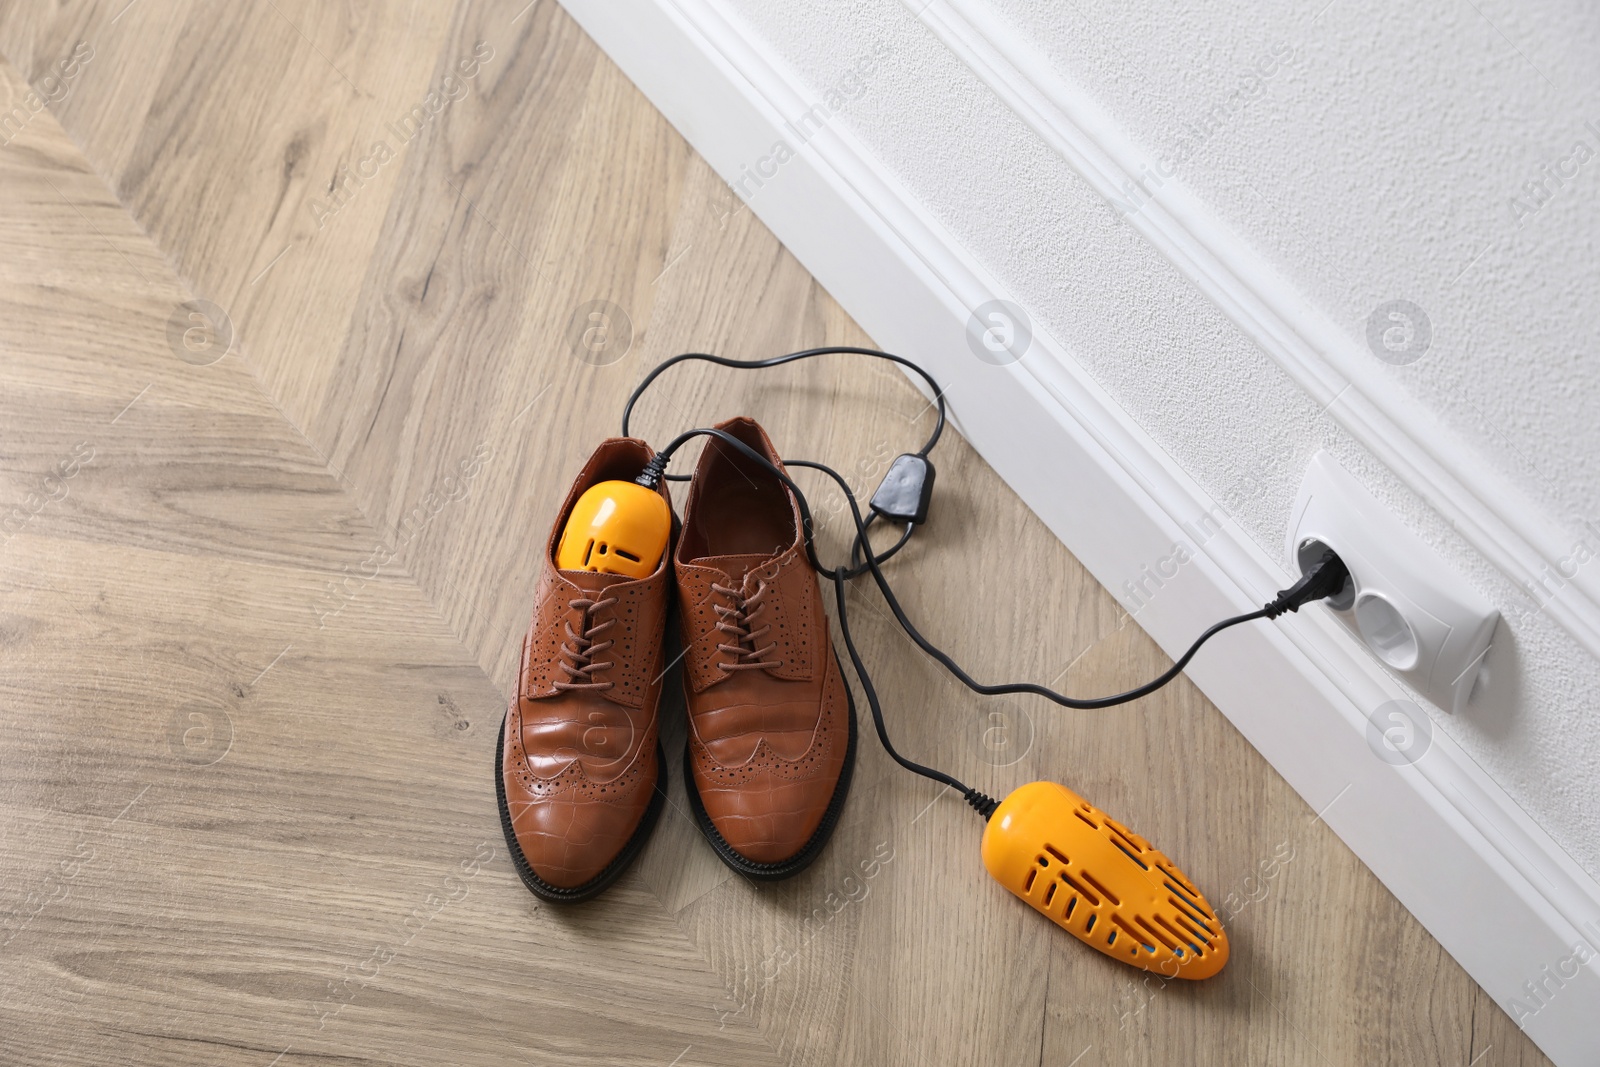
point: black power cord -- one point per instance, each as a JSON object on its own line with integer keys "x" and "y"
{"x": 908, "y": 486}
{"x": 778, "y": 361}
{"x": 1325, "y": 577}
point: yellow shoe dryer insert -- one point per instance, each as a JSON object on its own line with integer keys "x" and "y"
{"x": 1102, "y": 883}
{"x": 616, "y": 528}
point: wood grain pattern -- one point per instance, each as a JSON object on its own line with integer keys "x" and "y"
{"x": 256, "y": 645}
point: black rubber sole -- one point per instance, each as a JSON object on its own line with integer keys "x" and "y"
{"x": 613, "y": 870}
{"x": 777, "y": 872}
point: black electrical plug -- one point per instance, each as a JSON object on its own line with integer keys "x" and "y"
{"x": 1322, "y": 579}
{"x": 906, "y": 490}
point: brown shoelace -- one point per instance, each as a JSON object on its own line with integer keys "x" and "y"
{"x": 578, "y": 660}
{"x": 737, "y": 620}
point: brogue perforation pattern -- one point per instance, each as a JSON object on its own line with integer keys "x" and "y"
{"x": 795, "y": 601}
{"x": 762, "y": 764}
{"x": 630, "y": 674}
{"x": 790, "y": 608}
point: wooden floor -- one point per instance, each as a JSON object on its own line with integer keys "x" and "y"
{"x": 291, "y": 380}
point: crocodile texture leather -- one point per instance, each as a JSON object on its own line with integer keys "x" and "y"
{"x": 768, "y": 709}
{"x": 579, "y": 760}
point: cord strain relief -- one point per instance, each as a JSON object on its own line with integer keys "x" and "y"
{"x": 982, "y": 803}
{"x": 650, "y": 477}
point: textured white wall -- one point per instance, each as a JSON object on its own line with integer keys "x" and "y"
{"x": 1370, "y": 152}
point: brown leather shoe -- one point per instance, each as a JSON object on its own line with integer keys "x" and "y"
{"x": 772, "y": 725}
{"x": 580, "y": 771}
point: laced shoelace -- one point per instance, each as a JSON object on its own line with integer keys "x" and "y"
{"x": 578, "y": 662}
{"x": 737, "y": 620}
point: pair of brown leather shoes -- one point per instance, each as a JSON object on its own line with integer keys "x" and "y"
{"x": 772, "y": 730}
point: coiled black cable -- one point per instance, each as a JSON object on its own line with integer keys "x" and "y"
{"x": 778, "y": 361}
{"x": 861, "y": 544}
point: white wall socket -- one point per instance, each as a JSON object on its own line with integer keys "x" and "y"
{"x": 1422, "y": 621}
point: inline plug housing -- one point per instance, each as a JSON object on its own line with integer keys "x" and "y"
{"x": 906, "y": 490}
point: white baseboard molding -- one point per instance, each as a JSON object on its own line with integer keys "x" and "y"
{"x": 1505, "y": 901}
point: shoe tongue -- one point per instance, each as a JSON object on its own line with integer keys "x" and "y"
{"x": 593, "y": 581}
{"x": 737, "y": 566}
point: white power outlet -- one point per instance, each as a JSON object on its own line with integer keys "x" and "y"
{"x": 1420, "y": 619}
